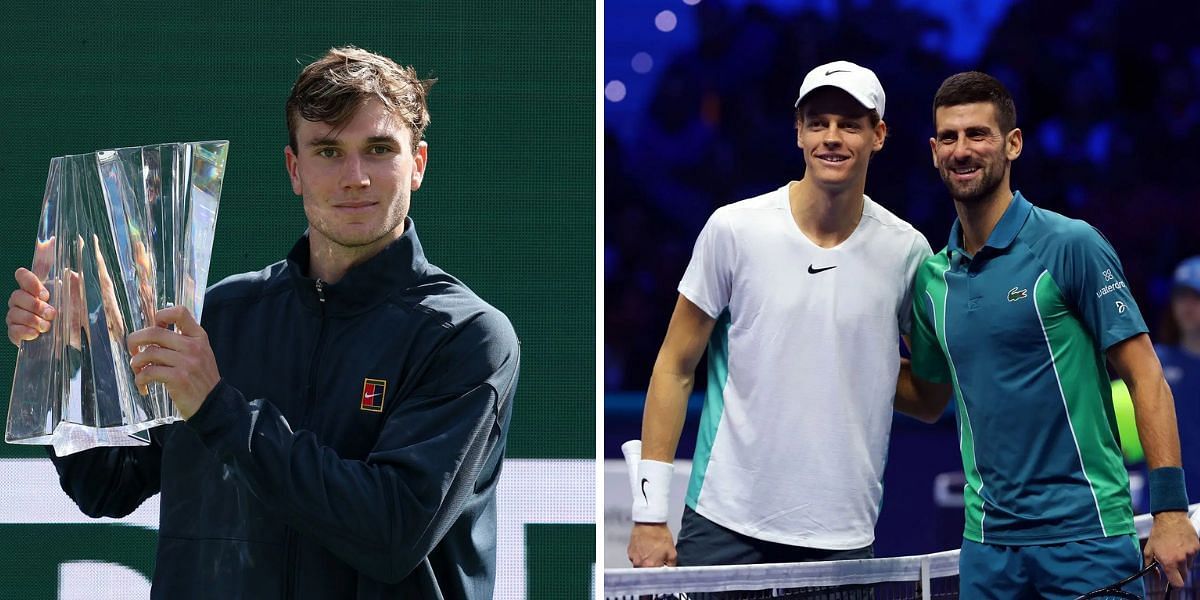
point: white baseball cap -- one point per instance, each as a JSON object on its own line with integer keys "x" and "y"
{"x": 859, "y": 82}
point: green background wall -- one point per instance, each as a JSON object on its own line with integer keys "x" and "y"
{"x": 507, "y": 204}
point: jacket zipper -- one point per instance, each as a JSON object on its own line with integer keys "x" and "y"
{"x": 291, "y": 543}
{"x": 289, "y": 583}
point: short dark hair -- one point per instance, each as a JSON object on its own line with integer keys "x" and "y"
{"x": 971, "y": 87}
{"x": 334, "y": 87}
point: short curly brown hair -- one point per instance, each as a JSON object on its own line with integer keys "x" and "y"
{"x": 971, "y": 87}
{"x": 335, "y": 86}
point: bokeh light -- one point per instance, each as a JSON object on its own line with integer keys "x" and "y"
{"x": 614, "y": 91}
{"x": 665, "y": 21}
{"x": 642, "y": 63}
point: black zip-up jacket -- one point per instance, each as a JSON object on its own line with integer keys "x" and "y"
{"x": 351, "y": 449}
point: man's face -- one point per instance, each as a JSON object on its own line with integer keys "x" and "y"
{"x": 970, "y": 152}
{"x": 356, "y": 180}
{"x": 837, "y": 138}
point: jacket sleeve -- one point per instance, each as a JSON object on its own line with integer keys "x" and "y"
{"x": 109, "y": 481}
{"x": 383, "y": 515}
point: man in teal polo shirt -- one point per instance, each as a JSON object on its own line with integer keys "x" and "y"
{"x": 1015, "y": 317}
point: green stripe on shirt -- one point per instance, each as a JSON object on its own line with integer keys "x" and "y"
{"x": 714, "y": 405}
{"x": 1087, "y": 399}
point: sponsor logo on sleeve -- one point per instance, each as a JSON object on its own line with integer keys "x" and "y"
{"x": 1110, "y": 287}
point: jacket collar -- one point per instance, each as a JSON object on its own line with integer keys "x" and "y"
{"x": 1003, "y": 233}
{"x": 398, "y": 266}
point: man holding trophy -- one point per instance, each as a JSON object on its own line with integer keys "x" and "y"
{"x": 346, "y": 409}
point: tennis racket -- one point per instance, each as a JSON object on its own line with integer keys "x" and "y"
{"x": 1115, "y": 590}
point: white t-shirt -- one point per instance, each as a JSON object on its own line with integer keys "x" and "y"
{"x": 803, "y": 364}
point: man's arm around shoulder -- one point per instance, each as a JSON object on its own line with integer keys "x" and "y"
{"x": 920, "y": 399}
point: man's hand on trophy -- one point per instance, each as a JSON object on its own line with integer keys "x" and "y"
{"x": 179, "y": 358}
{"x": 29, "y": 314}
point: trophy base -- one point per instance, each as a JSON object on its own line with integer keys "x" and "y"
{"x": 69, "y": 438}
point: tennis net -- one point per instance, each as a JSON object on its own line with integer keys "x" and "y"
{"x": 925, "y": 577}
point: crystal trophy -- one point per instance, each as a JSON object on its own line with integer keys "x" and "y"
{"x": 122, "y": 233}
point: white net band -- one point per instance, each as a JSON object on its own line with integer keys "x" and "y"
{"x": 918, "y": 570}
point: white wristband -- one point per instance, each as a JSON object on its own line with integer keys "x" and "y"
{"x": 632, "y": 450}
{"x": 653, "y": 496}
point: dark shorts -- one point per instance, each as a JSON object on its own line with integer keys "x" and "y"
{"x": 704, "y": 543}
{"x": 1066, "y": 570}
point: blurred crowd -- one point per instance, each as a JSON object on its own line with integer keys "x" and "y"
{"x": 1107, "y": 94}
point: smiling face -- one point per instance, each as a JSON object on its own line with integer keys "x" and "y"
{"x": 837, "y": 136}
{"x": 970, "y": 151}
{"x": 356, "y": 180}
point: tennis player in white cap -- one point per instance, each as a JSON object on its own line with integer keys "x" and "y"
{"x": 799, "y": 295}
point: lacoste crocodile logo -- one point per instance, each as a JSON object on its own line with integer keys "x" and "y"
{"x": 1015, "y": 294}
